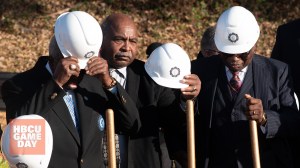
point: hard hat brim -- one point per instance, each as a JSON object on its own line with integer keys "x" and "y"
{"x": 81, "y": 62}
{"x": 175, "y": 84}
{"x": 233, "y": 49}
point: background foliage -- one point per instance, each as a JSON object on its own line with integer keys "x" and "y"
{"x": 27, "y": 25}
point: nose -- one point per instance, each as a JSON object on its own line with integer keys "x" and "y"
{"x": 235, "y": 57}
{"x": 126, "y": 45}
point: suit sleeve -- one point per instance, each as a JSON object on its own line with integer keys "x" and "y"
{"x": 127, "y": 119}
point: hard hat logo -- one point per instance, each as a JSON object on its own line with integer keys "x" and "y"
{"x": 21, "y": 165}
{"x": 174, "y": 72}
{"x": 89, "y": 54}
{"x": 233, "y": 37}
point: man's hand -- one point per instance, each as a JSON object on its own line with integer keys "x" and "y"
{"x": 64, "y": 69}
{"x": 255, "y": 110}
{"x": 192, "y": 91}
{"x": 98, "y": 67}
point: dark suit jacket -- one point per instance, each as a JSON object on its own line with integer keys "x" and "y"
{"x": 287, "y": 49}
{"x": 157, "y": 107}
{"x": 222, "y": 129}
{"x": 34, "y": 91}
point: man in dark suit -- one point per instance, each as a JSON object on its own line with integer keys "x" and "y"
{"x": 238, "y": 86}
{"x": 287, "y": 49}
{"x": 158, "y": 106}
{"x": 42, "y": 90}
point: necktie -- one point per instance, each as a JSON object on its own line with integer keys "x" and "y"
{"x": 70, "y": 104}
{"x": 235, "y": 83}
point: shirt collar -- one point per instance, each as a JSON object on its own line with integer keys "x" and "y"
{"x": 123, "y": 71}
{"x": 47, "y": 66}
{"x": 242, "y": 73}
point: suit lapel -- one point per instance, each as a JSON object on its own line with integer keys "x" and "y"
{"x": 85, "y": 120}
{"x": 223, "y": 86}
{"x": 255, "y": 74}
{"x": 87, "y": 104}
{"x": 62, "y": 112}
{"x": 259, "y": 75}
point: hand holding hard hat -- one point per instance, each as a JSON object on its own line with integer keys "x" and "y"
{"x": 78, "y": 34}
{"x": 170, "y": 66}
{"x": 27, "y": 142}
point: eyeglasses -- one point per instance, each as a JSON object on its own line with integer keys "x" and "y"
{"x": 242, "y": 55}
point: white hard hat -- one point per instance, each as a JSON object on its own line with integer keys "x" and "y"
{"x": 168, "y": 64}
{"x": 237, "y": 31}
{"x": 27, "y": 141}
{"x": 78, "y": 34}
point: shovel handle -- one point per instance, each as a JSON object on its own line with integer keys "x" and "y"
{"x": 110, "y": 132}
{"x": 190, "y": 134}
{"x": 254, "y": 144}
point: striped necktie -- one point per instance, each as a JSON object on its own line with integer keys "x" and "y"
{"x": 235, "y": 82}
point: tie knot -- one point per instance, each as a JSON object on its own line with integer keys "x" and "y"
{"x": 236, "y": 73}
{"x": 235, "y": 82}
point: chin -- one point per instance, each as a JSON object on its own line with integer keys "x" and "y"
{"x": 122, "y": 64}
{"x": 72, "y": 83}
{"x": 71, "y": 86}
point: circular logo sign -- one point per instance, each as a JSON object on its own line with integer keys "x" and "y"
{"x": 233, "y": 37}
{"x": 21, "y": 165}
{"x": 175, "y": 71}
{"x": 89, "y": 54}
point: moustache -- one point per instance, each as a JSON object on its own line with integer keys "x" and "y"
{"x": 126, "y": 54}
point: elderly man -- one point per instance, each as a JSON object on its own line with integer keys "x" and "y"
{"x": 73, "y": 101}
{"x": 158, "y": 106}
{"x": 237, "y": 86}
